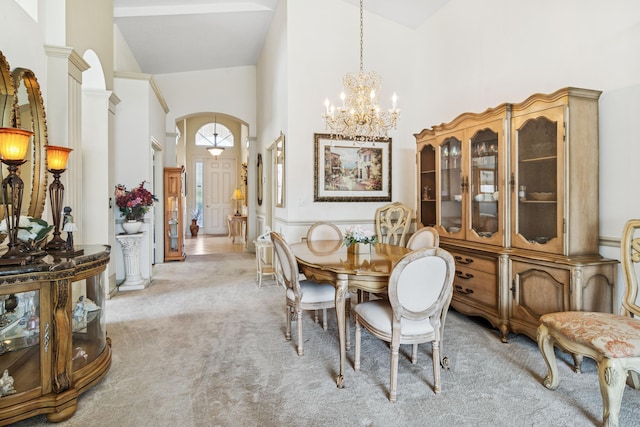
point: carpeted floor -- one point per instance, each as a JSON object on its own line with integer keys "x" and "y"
{"x": 203, "y": 346}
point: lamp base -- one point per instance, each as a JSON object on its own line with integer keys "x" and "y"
{"x": 15, "y": 256}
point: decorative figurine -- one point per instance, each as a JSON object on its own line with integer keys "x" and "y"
{"x": 69, "y": 227}
{"x": 6, "y": 384}
{"x": 79, "y": 310}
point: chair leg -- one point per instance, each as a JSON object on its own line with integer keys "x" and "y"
{"x": 356, "y": 358}
{"x": 577, "y": 362}
{"x": 300, "y": 349}
{"x": 287, "y": 334}
{"x": 545, "y": 344}
{"x": 324, "y": 319}
{"x": 348, "y": 333}
{"x": 316, "y": 317}
{"x": 435, "y": 349}
{"x": 414, "y": 354}
{"x": 612, "y": 382}
{"x": 393, "y": 395}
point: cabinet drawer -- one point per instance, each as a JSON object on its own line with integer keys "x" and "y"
{"x": 474, "y": 262}
{"x": 476, "y": 285}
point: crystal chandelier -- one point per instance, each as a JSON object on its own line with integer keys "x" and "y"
{"x": 360, "y": 118}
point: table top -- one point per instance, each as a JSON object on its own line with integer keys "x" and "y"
{"x": 332, "y": 255}
{"x": 232, "y": 216}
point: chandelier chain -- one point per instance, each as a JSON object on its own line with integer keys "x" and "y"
{"x": 361, "y": 38}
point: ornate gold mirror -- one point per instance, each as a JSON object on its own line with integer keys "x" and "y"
{"x": 22, "y": 107}
{"x": 279, "y": 171}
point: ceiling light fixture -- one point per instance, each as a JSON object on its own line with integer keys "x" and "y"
{"x": 359, "y": 118}
{"x": 215, "y": 151}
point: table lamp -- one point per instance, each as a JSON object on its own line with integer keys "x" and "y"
{"x": 237, "y": 196}
{"x": 56, "y": 164}
{"x": 14, "y": 143}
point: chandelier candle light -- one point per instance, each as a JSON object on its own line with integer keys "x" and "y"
{"x": 14, "y": 143}
{"x": 360, "y": 118}
{"x": 56, "y": 164}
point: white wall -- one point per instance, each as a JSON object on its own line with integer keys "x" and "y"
{"x": 228, "y": 90}
{"x": 123, "y": 57}
{"x": 132, "y": 156}
{"x": 273, "y": 108}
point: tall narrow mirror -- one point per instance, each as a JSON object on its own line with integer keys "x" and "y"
{"x": 279, "y": 171}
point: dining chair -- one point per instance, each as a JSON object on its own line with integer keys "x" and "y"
{"x": 420, "y": 291}
{"x": 612, "y": 340}
{"x": 392, "y": 223}
{"x": 425, "y": 237}
{"x": 300, "y": 294}
{"x": 324, "y": 231}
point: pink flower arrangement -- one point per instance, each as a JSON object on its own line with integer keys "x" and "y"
{"x": 136, "y": 203}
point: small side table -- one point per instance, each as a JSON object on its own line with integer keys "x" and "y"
{"x": 131, "y": 250}
{"x": 237, "y": 227}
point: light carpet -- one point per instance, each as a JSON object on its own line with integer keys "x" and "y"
{"x": 204, "y": 346}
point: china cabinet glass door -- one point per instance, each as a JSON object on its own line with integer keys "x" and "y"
{"x": 484, "y": 183}
{"x": 538, "y": 217}
{"x": 172, "y": 223}
{"x": 88, "y": 320}
{"x": 428, "y": 185}
{"x": 451, "y": 186}
{"x": 20, "y": 339}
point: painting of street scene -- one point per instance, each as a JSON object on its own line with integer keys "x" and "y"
{"x": 348, "y": 171}
{"x": 352, "y": 168}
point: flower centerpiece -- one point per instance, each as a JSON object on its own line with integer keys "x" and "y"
{"x": 136, "y": 203}
{"x": 358, "y": 236}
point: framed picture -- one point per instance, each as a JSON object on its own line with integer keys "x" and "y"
{"x": 348, "y": 171}
{"x": 486, "y": 178}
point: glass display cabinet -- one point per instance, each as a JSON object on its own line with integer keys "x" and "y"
{"x": 517, "y": 206}
{"x": 174, "y": 225}
{"x": 53, "y": 340}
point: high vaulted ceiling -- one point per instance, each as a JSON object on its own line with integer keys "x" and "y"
{"x": 168, "y": 36}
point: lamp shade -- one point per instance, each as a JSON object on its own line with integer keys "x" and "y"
{"x": 57, "y": 157}
{"x": 237, "y": 195}
{"x": 215, "y": 151}
{"x": 14, "y": 143}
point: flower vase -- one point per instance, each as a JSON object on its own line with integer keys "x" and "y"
{"x": 194, "y": 227}
{"x": 132, "y": 226}
{"x": 359, "y": 248}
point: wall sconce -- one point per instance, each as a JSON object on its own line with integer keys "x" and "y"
{"x": 56, "y": 164}
{"x": 14, "y": 143}
{"x": 237, "y": 196}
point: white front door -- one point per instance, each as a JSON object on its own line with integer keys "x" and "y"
{"x": 219, "y": 182}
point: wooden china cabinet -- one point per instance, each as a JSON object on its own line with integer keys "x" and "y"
{"x": 173, "y": 216}
{"x": 53, "y": 340}
{"x": 513, "y": 193}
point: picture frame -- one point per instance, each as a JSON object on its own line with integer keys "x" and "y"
{"x": 486, "y": 180}
{"x": 348, "y": 171}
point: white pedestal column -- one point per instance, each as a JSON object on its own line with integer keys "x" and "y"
{"x": 131, "y": 250}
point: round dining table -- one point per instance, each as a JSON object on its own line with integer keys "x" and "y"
{"x": 329, "y": 261}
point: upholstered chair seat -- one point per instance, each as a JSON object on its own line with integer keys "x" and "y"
{"x": 612, "y": 340}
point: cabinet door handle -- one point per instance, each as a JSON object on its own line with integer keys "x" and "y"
{"x": 461, "y": 260}
{"x": 465, "y": 276}
{"x": 462, "y": 290}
